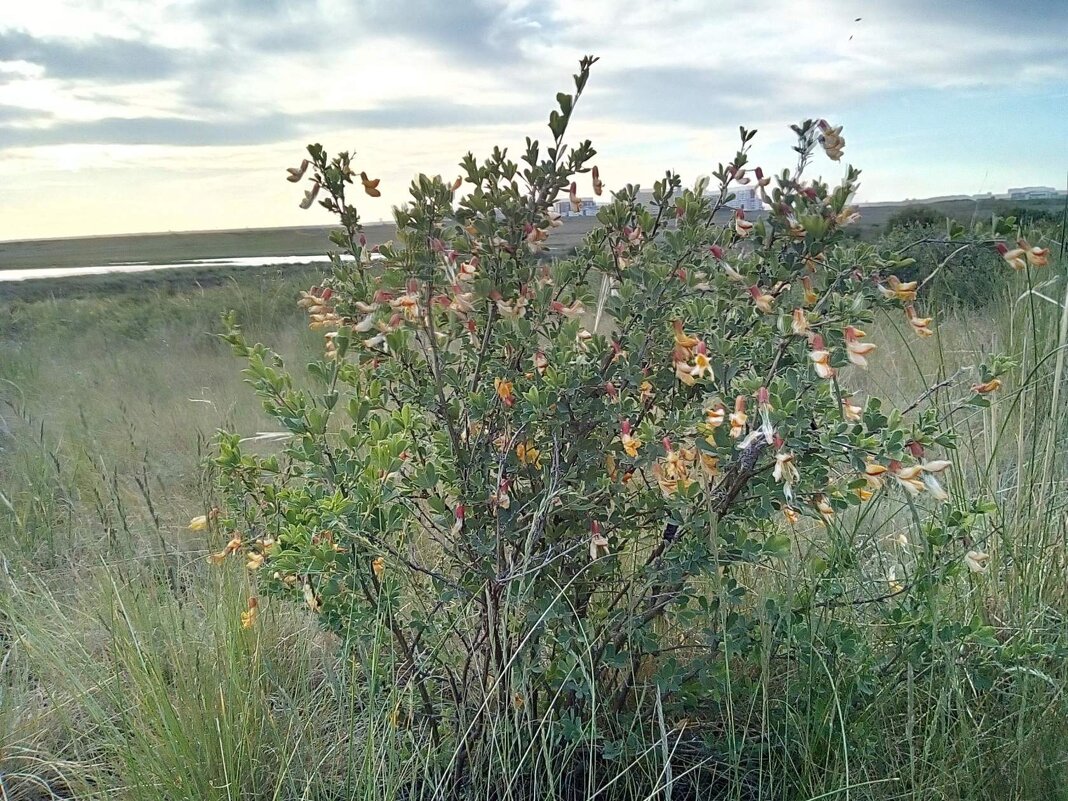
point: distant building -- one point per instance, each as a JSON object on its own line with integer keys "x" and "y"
{"x": 1033, "y": 193}
{"x": 746, "y": 199}
{"x": 587, "y": 208}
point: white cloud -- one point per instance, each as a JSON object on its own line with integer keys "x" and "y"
{"x": 674, "y": 81}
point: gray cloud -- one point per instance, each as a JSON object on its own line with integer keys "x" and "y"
{"x": 100, "y": 59}
{"x": 253, "y": 129}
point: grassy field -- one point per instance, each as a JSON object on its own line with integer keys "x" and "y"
{"x": 124, "y": 672}
{"x": 166, "y": 248}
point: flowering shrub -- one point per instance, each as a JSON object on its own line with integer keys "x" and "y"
{"x": 542, "y": 476}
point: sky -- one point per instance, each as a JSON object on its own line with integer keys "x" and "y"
{"x": 122, "y": 116}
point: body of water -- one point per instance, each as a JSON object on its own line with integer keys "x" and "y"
{"x": 40, "y": 273}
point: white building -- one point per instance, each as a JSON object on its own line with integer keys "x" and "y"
{"x": 587, "y": 208}
{"x": 1033, "y": 193}
{"x": 746, "y": 199}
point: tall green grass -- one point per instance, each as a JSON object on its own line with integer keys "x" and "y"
{"x": 125, "y": 672}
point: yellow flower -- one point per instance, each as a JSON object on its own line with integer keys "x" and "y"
{"x": 850, "y": 411}
{"x": 863, "y": 494}
{"x": 891, "y": 580}
{"x": 630, "y": 442}
{"x": 810, "y": 295}
{"x": 198, "y": 523}
{"x": 528, "y": 454}
{"x": 856, "y": 350}
{"x": 701, "y": 364}
{"x": 792, "y": 516}
{"x": 646, "y": 390}
{"x": 504, "y": 391}
{"x": 378, "y": 566}
{"x": 248, "y": 617}
{"x": 738, "y": 417}
{"x": 255, "y": 560}
{"x": 799, "y": 324}
{"x": 710, "y": 464}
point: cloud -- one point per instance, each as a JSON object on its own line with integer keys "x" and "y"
{"x": 259, "y": 129}
{"x": 99, "y": 59}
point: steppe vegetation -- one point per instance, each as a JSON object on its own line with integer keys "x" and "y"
{"x": 897, "y": 645}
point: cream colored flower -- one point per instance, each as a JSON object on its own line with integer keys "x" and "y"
{"x": 977, "y": 561}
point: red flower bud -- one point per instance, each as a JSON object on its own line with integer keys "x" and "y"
{"x": 717, "y": 252}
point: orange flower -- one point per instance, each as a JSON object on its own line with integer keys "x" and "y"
{"x": 908, "y": 477}
{"x": 832, "y": 140}
{"x": 824, "y": 507}
{"x": 821, "y": 358}
{"x": 541, "y": 363}
{"x": 504, "y": 391}
{"x": 630, "y": 442}
{"x": 763, "y": 301}
{"x": 742, "y": 226}
{"x": 850, "y": 412}
{"x": 896, "y": 289}
{"x": 799, "y": 324}
{"x": 248, "y": 617}
{"x": 873, "y": 473}
{"x": 993, "y": 385}
{"x": 598, "y": 542}
{"x": 378, "y": 566}
{"x": 810, "y": 294}
{"x": 921, "y": 325}
{"x": 370, "y": 185}
{"x": 1015, "y": 258}
{"x": 738, "y": 417}
{"x": 682, "y": 339}
{"x": 856, "y": 350}
{"x": 715, "y": 415}
{"x": 233, "y": 546}
{"x": 785, "y": 472}
{"x": 792, "y": 516}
